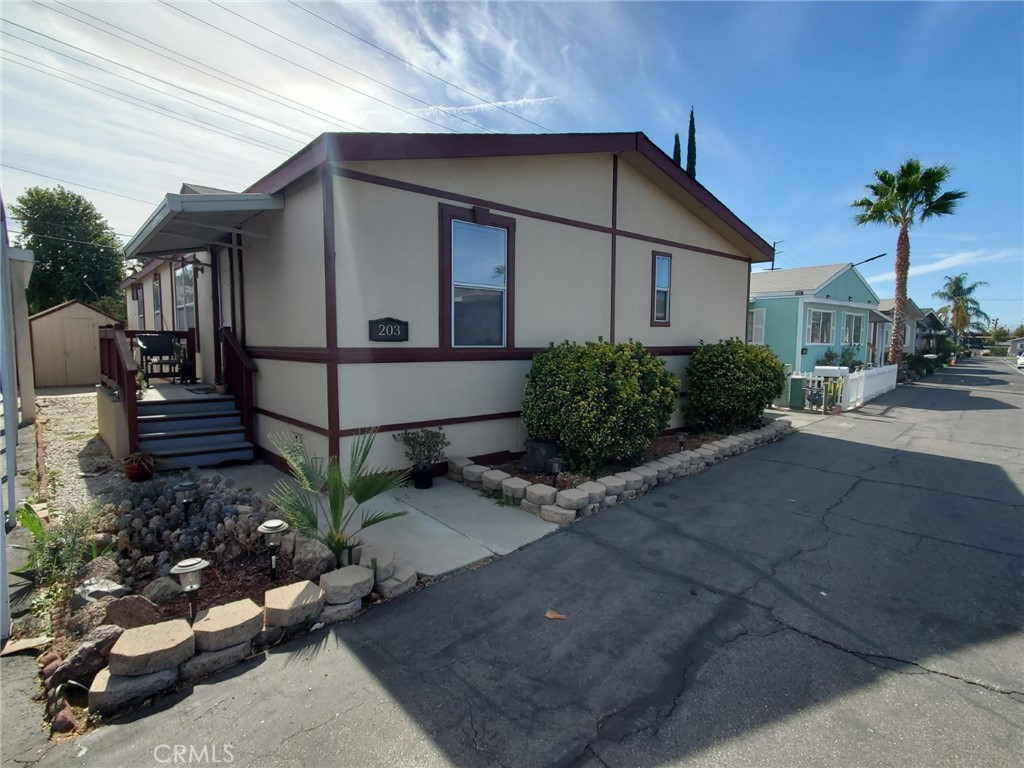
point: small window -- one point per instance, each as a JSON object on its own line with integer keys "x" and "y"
{"x": 755, "y": 326}
{"x": 661, "y": 288}
{"x": 184, "y": 298}
{"x": 158, "y": 321}
{"x": 140, "y": 306}
{"x": 853, "y": 329}
{"x": 819, "y": 327}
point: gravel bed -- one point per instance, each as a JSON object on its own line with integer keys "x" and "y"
{"x": 71, "y": 448}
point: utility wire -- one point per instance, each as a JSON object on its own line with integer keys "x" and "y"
{"x": 418, "y": 69}
{"x": 306, "y": 136}
{"x": 75, "y": 183}
{"x": 303, "y": 66}
{"x": 58, "y": 224}
{"x": 205, "y": 69}
{"x": 127, "y": 98}
{"x": 66, "y": 240}
{"x": 427, "y": 104}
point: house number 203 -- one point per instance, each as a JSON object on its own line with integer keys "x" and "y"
{"x": 389, "y": 329}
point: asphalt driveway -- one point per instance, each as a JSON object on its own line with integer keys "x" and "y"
{"x": 850, "y": 596}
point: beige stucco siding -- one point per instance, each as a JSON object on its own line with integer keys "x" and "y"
{"x": 646, "y": 209}
{"x": 298, "y": 390}
{"x": 469, "y": 439}
{"x": 570, "y": 186}
{"x": 708, "y": 296}
{"x": 387, "y": 262}
{"x": 393, "y": 393}
{"x": 315, "y": 443}
{"x": 563, "y": 283}
{"x": 284, "y": 276}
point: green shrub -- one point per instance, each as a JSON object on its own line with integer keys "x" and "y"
{"x": 599, "y": 402}
{"x": 729, "y": 384}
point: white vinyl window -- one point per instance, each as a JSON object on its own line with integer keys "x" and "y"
{"x": 661, "y": 298}
{"x": 479, "y": 289}
{"x": 755, "y": 326}
{"x": 819, "y": 326}
{"x": 158, "y": 322}
{"x": 853, "y": 329}
{"x": 184, "y": 299}
{"x": 140, "y": 306}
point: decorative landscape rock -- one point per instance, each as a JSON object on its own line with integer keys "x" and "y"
{"x": 385, "y": 558}
{"x": 162, "y": 589}
{"x": 456, "y": 465}
{"x": 573, "y": 499}
{"x": 292, "y": 604}
{"x": 312, "y": 558}
{"x": 514, "y": 488}
{"x": 109, "y": 693}
{"x": 595, "y": 491}
{"x": 334, "y": 613}
{"x": 403, "y": 579}
{"x": 556, "y": 514}
{"x": 227, "y": 625}
{"x": 473, "y": 475}
{"x": 541, "y": 494}
{"x": 633, "y": 481}
{"x": 88, "y": 657}
{"x": 649, "y": 475}
{"x": 211, "y": 662}
{"x": 345, "y": 585}
{"x": 100, "y": 568}
{"x": 132, "y": 611}
{"x": 144, "y": 650}
{"x": 85, "y": 620}
{"x": 95, "y": 588}
{"x": 493, "y": 478}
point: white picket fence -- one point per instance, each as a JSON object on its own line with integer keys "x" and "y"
{"x": 863, "y": 386}
{"x": 849, "y": 390}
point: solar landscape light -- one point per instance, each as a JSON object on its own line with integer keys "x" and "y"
{"x": 273, "y": 535}
{"x": 189, "y": 572}
{"x": 186, "y": 489}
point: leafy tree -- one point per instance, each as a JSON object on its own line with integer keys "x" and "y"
{"x": 691, "y": 148}
{"x": 912, "y": 194}
{"x": 677, "y": 156}
{"x": 77, "y": 254}
{"x": 1017, "y": 332}
{"x": 998, "y": 334}
{"x": 962, "y": 310}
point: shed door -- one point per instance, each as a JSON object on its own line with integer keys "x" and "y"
{"x": 81, "y": 352}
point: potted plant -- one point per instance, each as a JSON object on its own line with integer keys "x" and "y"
{"x": 219, "y": 385}
{"x": 141, "y": 385}
{"x": 424, "y": 448}
{"x": 139, "y": 466}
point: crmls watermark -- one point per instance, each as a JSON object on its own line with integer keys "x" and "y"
{"x": 189, "y": 754}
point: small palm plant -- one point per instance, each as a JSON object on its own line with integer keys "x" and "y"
{"x": 323, "y": 491}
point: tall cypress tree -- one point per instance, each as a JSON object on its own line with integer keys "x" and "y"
{"x": 677, "y": 156}
{"x": 691, "y": 148}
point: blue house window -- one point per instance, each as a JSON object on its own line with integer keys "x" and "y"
{"x": 853, "y": 329}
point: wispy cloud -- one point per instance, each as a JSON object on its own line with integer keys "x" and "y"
{"x": 947, "y": 261}
{"x": 509, "y": 104}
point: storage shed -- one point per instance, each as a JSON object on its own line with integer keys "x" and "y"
{"x": 65, "y": 344}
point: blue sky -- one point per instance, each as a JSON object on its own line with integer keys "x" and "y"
{"x": 796, "y": 104}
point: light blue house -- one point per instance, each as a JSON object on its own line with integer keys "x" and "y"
{"x": 803, "y": 313}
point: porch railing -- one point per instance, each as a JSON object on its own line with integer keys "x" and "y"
{"x": 188, "y": 337}
{"x": 118, "y": 370}
{"x": 238, "y": 376}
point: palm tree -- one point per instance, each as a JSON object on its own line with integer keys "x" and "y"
{"x": 328, "y": 518}
{"x": 899, "y": 199}
{"x": 962, "y": 310}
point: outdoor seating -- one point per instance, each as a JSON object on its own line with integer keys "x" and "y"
{"x": 157, "y": 355}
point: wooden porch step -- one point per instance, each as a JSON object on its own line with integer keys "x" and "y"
{"x": 205, "y": 455}
{"x": 180, "y": 438}
{"x": 188, "y": 422}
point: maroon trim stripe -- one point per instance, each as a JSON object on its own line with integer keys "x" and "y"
{"x": 614, "y": 243}
{"x": 401, "y": 426}
{"x": 526, "y": 212}
{"x": 331, "y": 311}
{"x": 362, "y": 355}
{"x": 289, "y": 420}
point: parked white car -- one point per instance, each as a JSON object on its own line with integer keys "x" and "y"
{"x": 1020, "y": 360}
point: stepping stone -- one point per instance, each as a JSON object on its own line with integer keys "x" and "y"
{"x": 292, "y": 604}
{"x": 632, "y": 480}
{"x": 541, "y": 494}
{"x": 613, "y": 484}
{"x": 334, "y": 613}
{"x": 348, "y": 584}
{"x": 226, "y": 625}
{"x": 206, "y": 664}
{"x": 595, "y": 491}
{"x": 109, "y": 693}
{"x": 573, "y": 498}
{"x": 556, "y": 514}
{"x": 152, "y": 648}
{"x": 385, "y": 557}
{"x": 493, "y": 478}
{"x": 514, "y": 488}
{"x": 401, "y": 582}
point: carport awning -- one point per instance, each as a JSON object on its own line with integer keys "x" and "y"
{"x": 189, "y": 223}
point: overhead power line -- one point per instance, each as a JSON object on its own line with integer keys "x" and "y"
{"x": 350, "y": 69}
{"x": 66, "y": 240}
{"x": 143, "y": 104}
{"x": 306, "y": 136}
{"x": 303, "y": 66}
{"x": 418, "y": 69}
{"x": 206, "y": 70}
{"x": 75, "y": 183}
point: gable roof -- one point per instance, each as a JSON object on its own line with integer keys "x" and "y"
{"x": 886, "y": 306}
{"x": 199, "y": 189}
{"x": 72, "y": 302}
{"x": 806, "y": 279}
{"x": 634, "y": 148}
